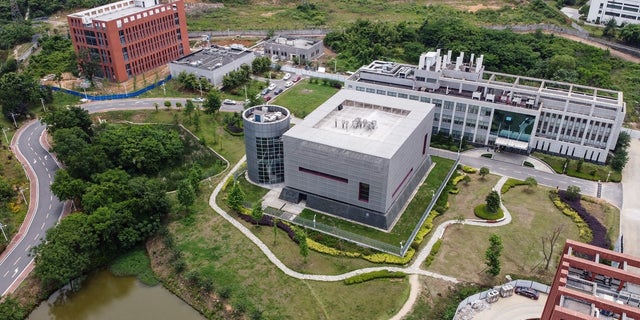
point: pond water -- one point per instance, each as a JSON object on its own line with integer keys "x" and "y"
{"x": 105, "y": 296}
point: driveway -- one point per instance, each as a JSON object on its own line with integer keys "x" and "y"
{"x": 513, "y": 308}
{"x": 630, "y": 213}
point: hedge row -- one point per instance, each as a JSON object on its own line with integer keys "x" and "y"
{"x": 424, "y": 229}
{"x": 389, "y": 258}
{"x": 510, "y": 183}
{"x": 468, "y": 169}
{"x": 373, "y": 275}
{"x": 319, "y": 247}
{"x": 583, "y": 228}
{"x": 457, "y": 179}
{"x": 432, "y": 254}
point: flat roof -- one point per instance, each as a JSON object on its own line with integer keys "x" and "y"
{"x": 116, "y": 10}
{"x": 362, "y": 122}
{"x": 300, "y": 43}
{"x": 213, "y": 57}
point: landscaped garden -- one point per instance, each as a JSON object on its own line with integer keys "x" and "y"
{"x": 580, "y": 169}
{"x": 313, "y": 95}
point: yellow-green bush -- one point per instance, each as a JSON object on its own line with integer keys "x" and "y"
{"x": 374, "y": 275}
{"x": 425, "y": 228}
{"x": 432, "y": 254}
{"x": 226, "y": 184}
{"x": 510, "y": 183}
{"x": 584, "y": 231}
{"x": 457, "y": 179}
{"x": 454, "y": 191}
{"x": 389, "y": 258}
{"x": 319, "y": 247}
{"x": 468, "y": 169}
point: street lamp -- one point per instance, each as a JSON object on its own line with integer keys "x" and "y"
{"x": 200, "y": 85}
{"x": 608, "y": 175}
{"x": 164, "y": 89}
{"x": 43, "y": 107}
{"x": 4, "y": 234}
{"x": 4, "y": 131}
{"x": 22, "y": 193}
{"x": 13, "y": 116}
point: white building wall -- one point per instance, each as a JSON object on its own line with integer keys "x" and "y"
{"x": 623, "y": 11}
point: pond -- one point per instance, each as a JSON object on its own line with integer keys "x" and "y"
{"x": 105, "y": 296}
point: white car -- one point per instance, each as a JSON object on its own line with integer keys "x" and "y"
{"x": 288, "y": 84}
{"x": 198, "y": 100}
{"x": 286, "y": 76}
{"x": 228, "y": 101}
{"x": 272, "y": 87}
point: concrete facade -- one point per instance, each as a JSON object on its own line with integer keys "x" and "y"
{"x": 623, "y": 11}
{"x": 130, "y": 37}
{"x": 594, "y": 283}
{"x": 286, "y": 48}
{"x": 263, "y": 129}
{"x": 507, "y": 111}
{"x": 358, "y": 156}
{"x": 213, "y": 63}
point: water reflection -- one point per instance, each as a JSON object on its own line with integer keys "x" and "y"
{"x": 104, "y": 296}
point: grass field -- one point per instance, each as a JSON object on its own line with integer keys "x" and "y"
{"x": 304, "y": 97}
{"x": 261, "y": 15}
{"x": 589, "y": 171}
{"x": 533, "y": 216}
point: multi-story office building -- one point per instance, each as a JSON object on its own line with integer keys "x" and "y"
{"x": 508, "y": 111}
{"x": 358, "y": 156}
{"x": 130, "y": 37}
{"x": 287, "y": 48}
{"x": 213, "y": 62}
{"x": 264, "y": 126}
{"x": 623, "y": 11}
{"x": 594, "y": 283}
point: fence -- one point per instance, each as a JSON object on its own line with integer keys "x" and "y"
{"x": 517, "y": 283}
{"x": 261, "y": 33}
{"x": 399, "y": 250}
{"x": 113, "y": 96}
{"x": 315, "y": 74}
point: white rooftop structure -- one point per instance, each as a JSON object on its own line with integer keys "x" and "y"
{"x": 114, "y": 10}
{"x": 364, "y": 123}
{"x": 295, "y": 42}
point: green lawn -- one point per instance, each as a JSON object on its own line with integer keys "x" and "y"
{"x": 304, "y": 97}
{"x": 589, "y": 171}
{"x": 409, "y": 218}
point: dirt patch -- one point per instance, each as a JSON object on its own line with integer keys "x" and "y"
{"x": 480, "y": 7}
{"x": 306, "y": 91}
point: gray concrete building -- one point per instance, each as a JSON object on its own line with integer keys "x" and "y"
{"x": 512, "y": 112}
{"x": 358, "y": 156}
{"x": 213, "y": 63}
{"x": 263, "y": 129}
{"x": 287, "y": 48}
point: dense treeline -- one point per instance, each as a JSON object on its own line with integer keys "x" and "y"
{"x": 535, "y": 54}
{"x": 104, "y": 176}
{"x": 55, "y": 57}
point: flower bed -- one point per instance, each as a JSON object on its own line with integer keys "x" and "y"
{"x": 584, "y": 231}
{"x": 510, "y": 183}
{"x": 481, "y": 212}
{"x": 599, "y": 232}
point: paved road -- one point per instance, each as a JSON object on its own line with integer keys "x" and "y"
{"x": 44, "y": 211}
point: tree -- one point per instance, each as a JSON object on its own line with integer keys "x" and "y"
{"x": 89, "y": 63}
{"x": 68, "y": 117}
{"x": 235, "y": 197}
{"x": 466, "y": 179}
{"x": 620, "y": 159}
{"x": 610, "y": 28}
{"x": 301, "y": 236}
{"x": 493, "y": 201}
{"x": 6, "y": 190}
{"x": 531, "y": 182}
{"x": 256, "y": 212}
{"x": 630, "y": 34}
{"x": 492, "y": 255}
{"x": 261, "y": 64}
{"x": 185, "y": 193}
{"x": 167, "y": 104}
{"x": 65, "y": 187}
{"x": 573, "y": 192}
{"x": 17, "y": 93}
{"x": 483, "y": 172}
{"x": 212, "y": 103}
{"x": 549, "y": 244}
{"x": 194, "y": 176}
{"x": 189, "y": 107}
{"x": 11, "y": 309}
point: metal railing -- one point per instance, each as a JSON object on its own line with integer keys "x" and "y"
{"x": 516, "y": 283}
{"x": 113, "y": 96}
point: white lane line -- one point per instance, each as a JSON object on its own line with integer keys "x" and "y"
{"x": 5, "y": 274}
{"x": 45, "y": 168}
{"x": 50, "y": 178}
{"x": 34, "y": 161}
{"x": 42, "y": 228}
{"x": 48, "y": 213}
{"x": 51, "y": 198}
{"x": 27, "y": 250}
{"x": 50, "y": 204}
{"x": 36, "y": 237}
{"x": 20, "y": 257}
{"x": 29, "y": 139}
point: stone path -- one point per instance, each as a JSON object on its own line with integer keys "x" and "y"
{"x": 414, "y": 269}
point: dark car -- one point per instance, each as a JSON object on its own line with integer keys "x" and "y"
{"x": 296, "y": 79}
{"x": 527, "y": 292}
{"x": 278, "y": 91}
{"x": 267, "y": 98}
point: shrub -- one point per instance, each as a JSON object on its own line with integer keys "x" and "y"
{"x": 454, "y": 191}
{"x": 528, "y": 164}
{"x": 424, "y": 229}
{"x": 481, "y": 212}
{"x": 319, "y": 247}
{"x": 598, "y": 231}
{"x": 457, "y": 179}
{"x": 432, "y": 254}
{"x": 468, "y": 169}
{"x": 389, "y": 258}
{"x": 380, "y": 274}
{"x": 510, "y": 183}
{"x": 584, "y": 231}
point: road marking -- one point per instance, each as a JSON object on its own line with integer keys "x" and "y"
{"x": 50, "y": 204}
{"x": 42, "y": 228}
{"x": 36, "y": 237}
{"x": 5, "y": 274}
{"x": 51, "y": 198}
{"x": 29, "y": 139}
{"x": 20, "y": 257}
{"x": 48, "y": 213}
{"x": 34, "y": 161}
{"x": 15, "y": 272}
{"x": 47, "y": 169}
{"x": 50, "y": 178}
{"x": 29, "y": 247}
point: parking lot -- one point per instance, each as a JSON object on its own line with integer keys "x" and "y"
{"x": 513, "y": 308}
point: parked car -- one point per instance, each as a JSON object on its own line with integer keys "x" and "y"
{"x": 288, "y": 84}
{"x": 278, "y": 91}
{"x": 527, "y": 292}
{"x": 267, "y": 98}
{"x": 228, "y": 101}
{"x": 286, "y": 76}
{"x": 198, "y": 100}
{"x": 297, "y": 78}
{"x": 265, "y": 91}
{"x": 272, "y": 87}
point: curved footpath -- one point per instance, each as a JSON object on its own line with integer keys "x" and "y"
{"x": 414, "y": 269}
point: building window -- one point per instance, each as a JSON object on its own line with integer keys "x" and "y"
{"x": 402, "y": 95}
{"x": 324, "y": 175}
{"x": 402, "y": 183}
{"x": 363, "y": 192}
{"x": 359, "y": 88}
{"x": 424, "y": 143}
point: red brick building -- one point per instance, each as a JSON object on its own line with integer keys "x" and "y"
{"x": 594, "y": 283}
{"x": 130, "y": 37}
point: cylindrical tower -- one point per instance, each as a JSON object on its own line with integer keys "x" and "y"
{"x": 263, "y": 129}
